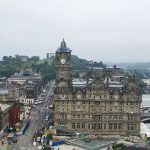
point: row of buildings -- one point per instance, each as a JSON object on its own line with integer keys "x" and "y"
{"x": 9, "y": 115}
{"x": 17, "y": 94}
{"x": 108, "y": 104}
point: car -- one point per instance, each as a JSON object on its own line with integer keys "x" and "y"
{"x": 47, "y": 117}
{"x": 38, "y": 102}
{"x": 51, "y": 106}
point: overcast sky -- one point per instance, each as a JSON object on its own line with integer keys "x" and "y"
{"x": 107, "y": 30}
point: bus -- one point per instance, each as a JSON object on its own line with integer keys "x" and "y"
{"x": 24, "y": 128}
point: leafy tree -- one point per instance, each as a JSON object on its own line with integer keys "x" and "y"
{"x": 46, "y": 148}
{"x": 49, "y": 136}
{"x": 35, "y": 58}
{"x": 77, "y": 63}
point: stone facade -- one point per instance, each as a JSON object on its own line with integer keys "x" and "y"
{"x": 4, "y": 115}
{"x": 104, "y": 106}
{"x": 8, "y": 95}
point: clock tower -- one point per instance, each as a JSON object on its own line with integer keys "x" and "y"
{"x": 63, "y": 85}
{"x": 63, "y": 66}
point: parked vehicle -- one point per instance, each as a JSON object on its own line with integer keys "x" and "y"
{"x": 38, "y": 102}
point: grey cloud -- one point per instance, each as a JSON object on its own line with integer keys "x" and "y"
{"x": 110, "y": 30}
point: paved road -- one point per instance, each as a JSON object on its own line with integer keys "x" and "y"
{"x": 37, "y": 118}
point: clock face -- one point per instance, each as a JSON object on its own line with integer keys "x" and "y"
{"x": 63, "y": 61}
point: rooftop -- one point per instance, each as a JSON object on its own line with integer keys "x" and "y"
{"x": 3, "y": 92}
{"x": 4, "y": 107}
{"x": 77, "y": 81}
{"x": 63, "y": 47}
{"x": 115, "y": 84}
{"x": 21, "y": 76}
{"x": 145, "y": 100}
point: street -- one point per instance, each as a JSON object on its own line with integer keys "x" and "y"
{"x": 37, "y": 117}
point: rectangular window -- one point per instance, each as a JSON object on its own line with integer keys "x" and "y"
{"x": 131, "y": 118}
{"x": 120, "y": 126}
{"x": 89, "y": 109}
{"x": 110, "y": 126}
{"x": 110, "y": 117}
{"x": 104, "y": 126}
{"x": 62, "y": 116}
{"x": 101, "y": 126}
{"x": 92, "y": 126}
{"x": 73, "y": 125}
{"x": 83, "y": 107}
{"x": 120, "y": 117}
{"x": 110, "y": 109}
{"x": 78, "y": 125}
{"x": 115, "y": 126}
{"x": 83, "y": 125}
{"x": 100, "y": 117}
{"x": 78, "y": 116}
{"x": 131, "y": 127}
{"x": 73, "y": 108}
{"x": 115, "y": 117}
{"x": 89, "y": 126}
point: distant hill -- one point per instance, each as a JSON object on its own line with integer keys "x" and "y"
{"x": 142, "y": 69}
{"x": 138, "y": 65}
{"x": 10, "y": 65}
{"x": 78, "y": 63}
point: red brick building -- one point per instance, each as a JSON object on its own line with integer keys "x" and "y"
{"x": 14, "y": 114}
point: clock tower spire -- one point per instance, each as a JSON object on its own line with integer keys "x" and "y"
{"x": 63, "y": 65}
